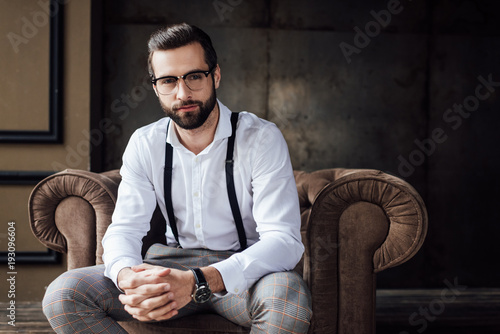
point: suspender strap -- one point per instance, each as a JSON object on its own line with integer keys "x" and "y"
{"x": 233, "y": 201}
{"x": 167, "y": 185}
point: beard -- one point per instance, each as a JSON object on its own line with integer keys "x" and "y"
{"x": 191, "y": 120}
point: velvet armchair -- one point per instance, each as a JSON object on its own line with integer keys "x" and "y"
{"x": 355, "y": 223}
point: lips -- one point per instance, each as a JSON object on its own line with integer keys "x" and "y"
{"x": 188, "y": 108}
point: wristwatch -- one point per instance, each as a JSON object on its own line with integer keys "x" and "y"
{"x": 202, "y": 292}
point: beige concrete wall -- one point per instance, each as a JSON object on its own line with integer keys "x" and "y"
{"x": 20, "y": 71}
{"x": 26, "y": 109}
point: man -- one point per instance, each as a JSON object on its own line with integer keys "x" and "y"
{"x": 237, "y": 267}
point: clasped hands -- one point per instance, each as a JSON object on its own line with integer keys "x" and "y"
{"x": 154, "y": 292}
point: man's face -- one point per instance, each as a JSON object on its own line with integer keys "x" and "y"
{"x": 188, "y": 109}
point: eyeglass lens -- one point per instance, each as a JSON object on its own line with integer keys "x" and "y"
{"x": 194, "y": 81}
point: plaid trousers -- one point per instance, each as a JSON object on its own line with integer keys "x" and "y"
{"x": 84, "y": 301}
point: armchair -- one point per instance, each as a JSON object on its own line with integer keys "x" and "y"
{"x": 355, "y": 223}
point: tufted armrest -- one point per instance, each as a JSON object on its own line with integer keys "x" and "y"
{"x": 70, "y": 212}
{"x": 355, "y": 223}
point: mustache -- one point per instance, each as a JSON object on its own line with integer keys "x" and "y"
{"x": 181, "y": 104}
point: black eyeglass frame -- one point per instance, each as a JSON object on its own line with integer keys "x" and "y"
{"x": 153, "y": 81}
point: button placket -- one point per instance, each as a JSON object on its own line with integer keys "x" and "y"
{"x": 196, "y": 198}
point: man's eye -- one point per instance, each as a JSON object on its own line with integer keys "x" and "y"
{"x": 167, "y": 81}
{"x": 194, "y": 76}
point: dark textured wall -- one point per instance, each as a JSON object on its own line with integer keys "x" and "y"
{"x": 362, "y": 84}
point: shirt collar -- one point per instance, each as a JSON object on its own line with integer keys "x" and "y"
{"x": 222, "y": 131}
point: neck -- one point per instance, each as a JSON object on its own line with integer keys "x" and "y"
{"x": 196, "y": 140}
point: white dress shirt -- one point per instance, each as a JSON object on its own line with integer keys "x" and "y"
{"x": 265, "y": 188}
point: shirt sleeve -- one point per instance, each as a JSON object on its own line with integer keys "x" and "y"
{"x": 134, "y": 208}
{"x": 276, "y": 212}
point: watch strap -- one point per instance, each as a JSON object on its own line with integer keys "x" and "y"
{"x": 202, "y": 292}
{"x": 198, "y": 276}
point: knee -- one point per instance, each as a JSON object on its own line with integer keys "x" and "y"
{"x": 287, "y": 287}
{"x": 69, "y": 288}
{"x": 286, "y": 296}
{"x": 61, "y": 290}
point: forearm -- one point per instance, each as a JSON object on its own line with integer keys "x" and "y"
{"x": 214, "y": 279}
{"x": 131, "y": 218}
{"x": 120, "y": 252}
{"x": 270, "y": 254}
{"x": 122, "y": 242}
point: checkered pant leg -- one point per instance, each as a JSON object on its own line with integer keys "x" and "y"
{"x": 84, "y": 301}
{"x": 277, "y": 303}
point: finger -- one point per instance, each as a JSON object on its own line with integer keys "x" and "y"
{"x": 146, "y": 302}
{"x": 146, "y": 266}
{"x": 142, "y": 266}
{"x": 158, "y": 302}
{"x": 140, "y": 279}
{"x": 137, "y": 312}
{"x": 167, "y": 316}
{"x": 152, "y": 308}
{"x": 142, "y": 318}
{"x": 151, "y": 270}
{"x": 149, "y": 289}
{"x": 164, "y": 312}
{"x": 132, "y": 300}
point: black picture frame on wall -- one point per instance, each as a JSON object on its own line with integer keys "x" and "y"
{"x": 54, "y": 134}
{"x": 48, "y": 257}
{"x": 28, "y": 257}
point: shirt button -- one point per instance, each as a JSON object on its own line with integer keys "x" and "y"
{"x": 198, "y": 225}
{"x": 195, "y": 194}
{"x": 236, "y": 290}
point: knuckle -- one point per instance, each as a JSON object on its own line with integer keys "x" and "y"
{"x": 131, "y": 310}
{"x": 156, "y": 279}
{"x": 134, "y": 299}
{"x": 141, "y": 312}
{"x": 146, "y": 304}
{"x": 168, "y": 297}
{"x": 157, "y": 315}
{"x": 148, "y": 289}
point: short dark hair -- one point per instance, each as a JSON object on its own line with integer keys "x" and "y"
{"x": 177, "y": 35}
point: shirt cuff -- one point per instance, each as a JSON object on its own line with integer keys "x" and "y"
{"x": 112, "y": 273}
{"x": 232, "y": 275}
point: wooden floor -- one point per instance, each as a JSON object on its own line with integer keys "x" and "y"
{"x": 439, "y": 311}
{"x": 29, "y": 319}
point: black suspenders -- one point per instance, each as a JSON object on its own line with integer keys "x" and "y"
{"x": 233, "y": 201}
{"x": 229, "y": 182}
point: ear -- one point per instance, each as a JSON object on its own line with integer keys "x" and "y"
{"x": 154, "y": 88}
{"x": 217, "y": 76}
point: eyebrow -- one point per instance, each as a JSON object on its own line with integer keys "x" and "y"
{"x": 190, "y": 71}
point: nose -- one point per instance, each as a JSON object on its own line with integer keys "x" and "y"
{"x": 183, "y": 91}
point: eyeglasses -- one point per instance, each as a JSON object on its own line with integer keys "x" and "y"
{"x": 195, "y": 80}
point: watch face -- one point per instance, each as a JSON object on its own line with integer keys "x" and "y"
{"x": 202, "y": 294}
